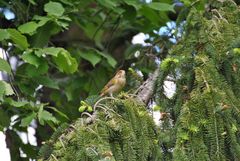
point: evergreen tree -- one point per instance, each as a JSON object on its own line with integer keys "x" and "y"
{"x": 203, "y": 121}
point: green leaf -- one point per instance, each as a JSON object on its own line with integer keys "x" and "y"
{"x": 58, "y": 112}
{"x": 19, "y": 39}
{"x": 46, "y": 81}
{"x": 4, "y": 86}
{"x": 44, "y": 116}
{"x": 186, "y": 2}
{"x": 108, "y": 3}
{"x": 28, "y": 28}
{"x": 5, "y": 89}
{"x": 50, "y": 51}
{"x": 14, "y": 103}
{"x": 42, "y": 20}
{"x": 150, "y": 14}
{"x": 4, "y": 120}
{"x": 161, "y": 6}
{"x": 134, "y": 3}
{"x": 4, "y": 66}
{"x": 32, "y": 2}
{"x": 91, "y": 56}
{"x": 65, "y": 62}
{"x": 33, "y": 71}
{"x": 41, "y": 37}
{"x": 31, "y": 58}
{"x": 27, "y": 120}
{"x": 4, "y": 34}
{"x": 54, "y": 8}
{"x": 111, "y": 61}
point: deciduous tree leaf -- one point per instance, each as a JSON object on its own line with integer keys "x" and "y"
{"x": 41, "y": 37}
{"x": 27, "y": 120}
{"x": 58, "y": 112}
{"x": 54, "y": 8}
{"x": 111, "y": 61}
{"x": 5, "y": 89}
{"x": 46, "y": 116}
{"x": 4, "y": 66}
{"x": 134, "y": 3}
{"x": 28, "y": 28}
{"x": 32, "y": 2}
{"x": 46, "y": 81}
{"x": 65, "y": 62}
{"x": 51, "y": 51}
{"x": 91, "y": 56}
{"x": 19, "y": 39}
{"x": 14, "y": 103}
{"x": 4, "y": 34}
{"x": 31, "y": 58}
{"x": 161, "y": 6}
{"x": 33, "y": 71}
{"x": 108, "y": 3}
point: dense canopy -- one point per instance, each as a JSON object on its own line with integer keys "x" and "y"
{"x": 56, "y": 56}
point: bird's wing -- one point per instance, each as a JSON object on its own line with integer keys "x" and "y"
{"x": 109, "y": 84}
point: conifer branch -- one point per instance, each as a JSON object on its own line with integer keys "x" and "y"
{"x": 146, "y": 90}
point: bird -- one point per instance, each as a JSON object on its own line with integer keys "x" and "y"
{"x": 115, "y": 84}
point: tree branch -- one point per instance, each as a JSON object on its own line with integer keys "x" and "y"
{"x": 146, "y": 90}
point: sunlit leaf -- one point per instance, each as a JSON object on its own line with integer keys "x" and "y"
{"x": 54, "y": 8}
{"x": 18, "y": 39}
{"x": 4, "y": 66}
{"x": 28, "y": 28}
{"x": 5, "y": 89}
{"x": 51, "y": 51}
{"x": 31, "y": 58}
{"x": 65, "y": 62}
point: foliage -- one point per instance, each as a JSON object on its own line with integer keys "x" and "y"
{"x": 64, "y": 51}
{"x": 123, "y": 130}
{"x": 204, "y": 111}
{"x": 57, "y": 53}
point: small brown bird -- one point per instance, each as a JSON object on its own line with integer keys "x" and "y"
{"x": 115, "y": 84}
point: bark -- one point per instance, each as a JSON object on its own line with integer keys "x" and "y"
{"x": 146, "y": 90}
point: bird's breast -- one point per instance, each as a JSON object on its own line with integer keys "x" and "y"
{"x": 122, "y": 82}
